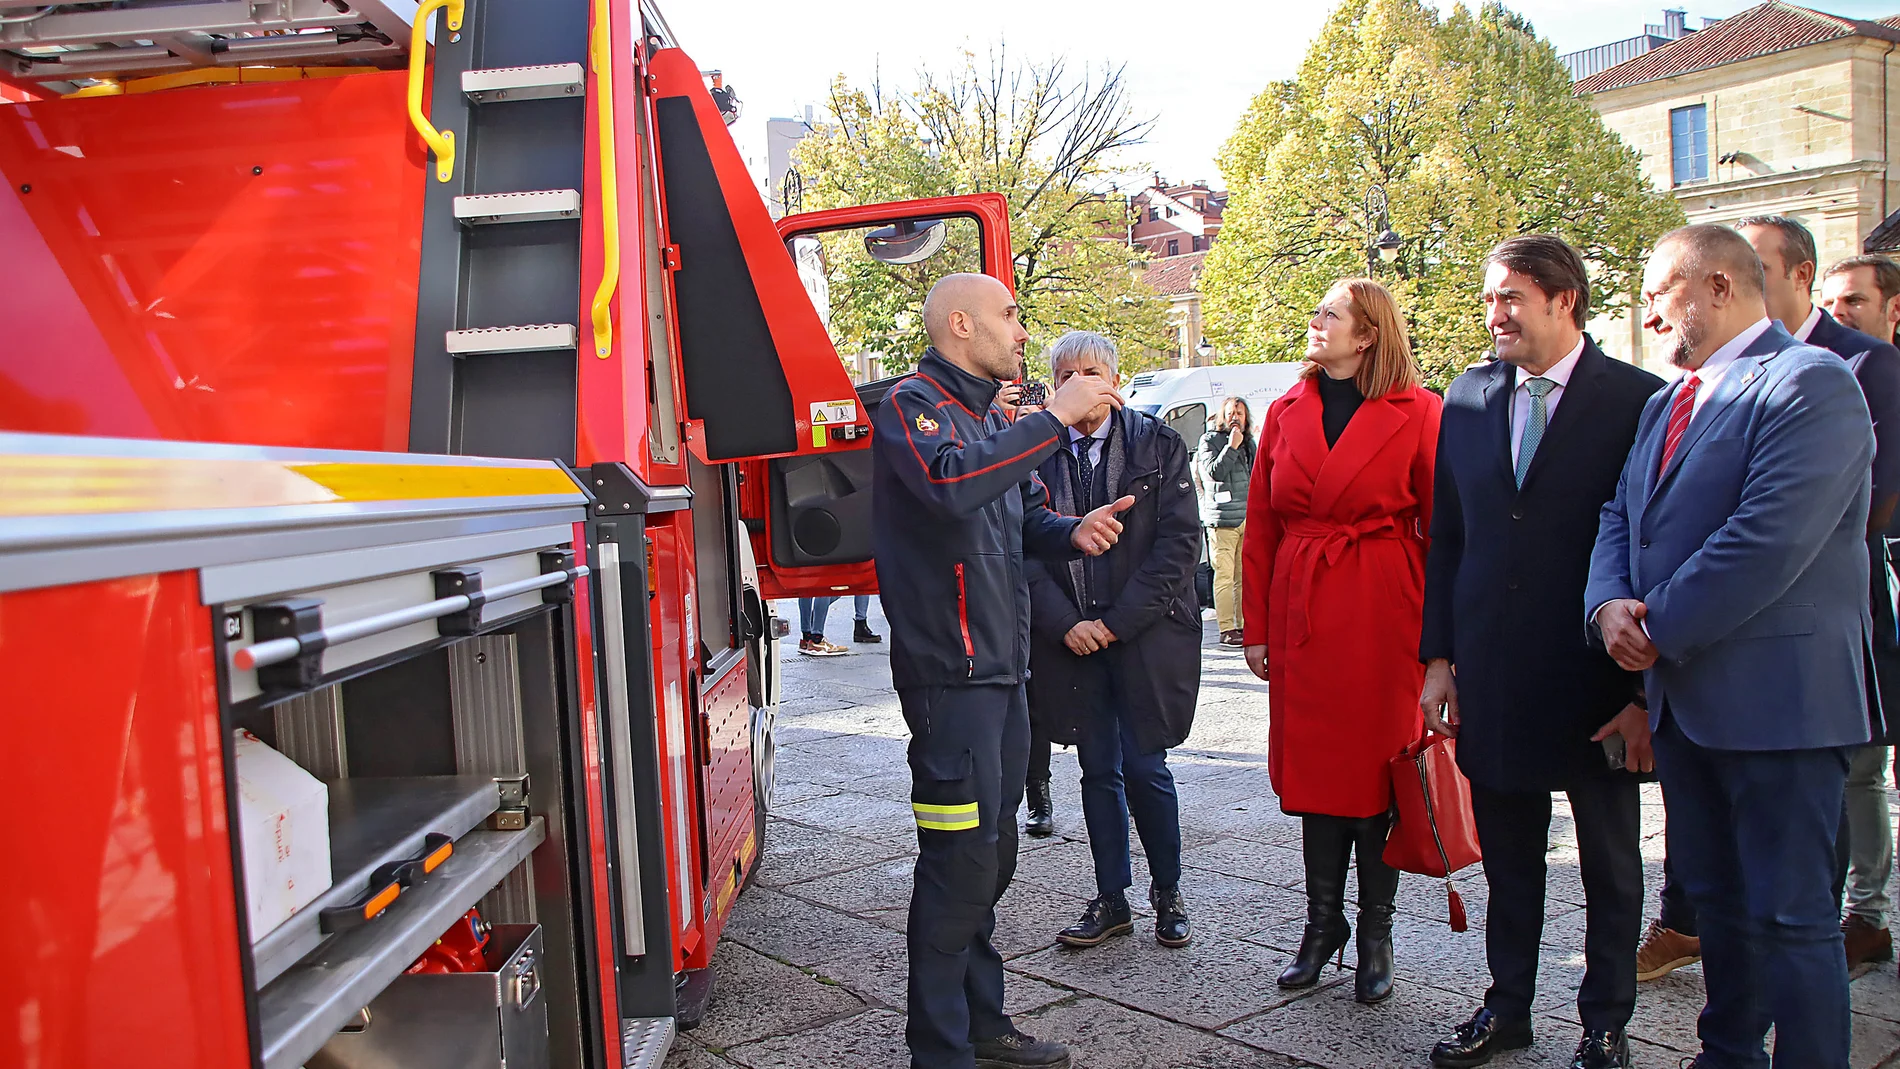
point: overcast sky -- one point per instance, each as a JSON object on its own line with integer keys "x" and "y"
{"x": 1194, "y": 66}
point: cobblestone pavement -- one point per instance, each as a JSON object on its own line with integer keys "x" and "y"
{"x": 810, "y": 974}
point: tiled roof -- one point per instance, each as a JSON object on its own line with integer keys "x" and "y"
{"x": 1760, "y": 31}
{"x": 1173, "y": 276}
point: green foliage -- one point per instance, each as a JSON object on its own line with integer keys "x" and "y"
{"x": 1469, "y": 126}
{"x": 1043, "y": 137}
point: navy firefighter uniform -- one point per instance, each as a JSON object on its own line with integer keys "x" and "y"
{"x": 956, "y": 503}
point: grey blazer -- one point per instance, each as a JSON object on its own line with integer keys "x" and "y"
{"x": 1749, "y": 553}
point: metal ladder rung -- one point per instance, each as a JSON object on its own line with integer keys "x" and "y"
{"x": 533, "y": 339}
{"x": 524, "y": 83}
{"x": 529, "y": 207}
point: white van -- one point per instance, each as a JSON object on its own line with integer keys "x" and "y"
{"x": 1185, "y": 397}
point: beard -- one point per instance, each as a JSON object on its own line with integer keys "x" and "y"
{"x": 1690, "y": 333}
{"x": 997, "y": 357}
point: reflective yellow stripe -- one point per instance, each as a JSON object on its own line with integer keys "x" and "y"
{"x": 40, "y": 485}
{"x": 959, "y": 817}
{"x": 958, "y": 810}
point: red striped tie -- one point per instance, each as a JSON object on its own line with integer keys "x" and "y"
{"x": 1679, "y": 416}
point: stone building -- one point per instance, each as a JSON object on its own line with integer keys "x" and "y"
{"x": 1175, "y": 220}
{"x": 1780, "y": 109}
{"x": 1178, "y": 280}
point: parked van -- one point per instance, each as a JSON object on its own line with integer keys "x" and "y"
{"x": 1185, "y": 397}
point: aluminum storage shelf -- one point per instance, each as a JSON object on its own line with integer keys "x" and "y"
{"x": 374, "y": 821}
{"x": 305, "y": 1007}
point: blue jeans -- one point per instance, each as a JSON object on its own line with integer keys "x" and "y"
{"x": 1118, "y": 780}
{"x": 811, "y": 616}
{"x": 1751, "y": 839}
{"x": 861, "y": 607}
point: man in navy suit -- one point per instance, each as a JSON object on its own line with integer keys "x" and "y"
{"x": 1530, "y": 447}
{"x": 1730, "y": 569}
{"x": 1865, "y": 851}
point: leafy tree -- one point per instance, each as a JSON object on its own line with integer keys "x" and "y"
{"x": 1042, "y": 135}
{"x": 1469, "y": 127}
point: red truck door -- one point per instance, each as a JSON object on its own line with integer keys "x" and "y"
{"x": 866, "y": 270}
{"x": 777, "y": 321}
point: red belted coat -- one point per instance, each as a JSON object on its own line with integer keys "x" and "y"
{"x": 1333, "y": 582}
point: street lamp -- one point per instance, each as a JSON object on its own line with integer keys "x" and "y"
{"x": 1205, "y": 352}
{"x": 1386, "y": 246}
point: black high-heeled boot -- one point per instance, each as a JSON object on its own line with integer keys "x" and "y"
{"x": 1326, "y": 843}
{"x": 1378, "y": 891}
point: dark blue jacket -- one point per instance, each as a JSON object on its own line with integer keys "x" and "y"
{"x": 1507, "y": 569}
{"x": 1155, "y": 663}
{"x": 955, "y": 502}
{"x": 1749, "y": 551}
{"x": 1876, "y": 366}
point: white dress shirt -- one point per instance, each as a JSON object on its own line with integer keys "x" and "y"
{"x": 1807, "y": 325}
{"x": 1096, "y": 441}
{"x": 1715, "y": 366}
{"x": 1559, "y": 373}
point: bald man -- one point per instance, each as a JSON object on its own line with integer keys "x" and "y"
{"x": 956, "y": 503}
{"x": 1730, "y": 569}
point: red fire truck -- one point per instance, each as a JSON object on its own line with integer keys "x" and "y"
{"x": 421, "y": 396}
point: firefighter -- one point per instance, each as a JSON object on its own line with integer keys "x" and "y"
{"x": 956, "y": 504}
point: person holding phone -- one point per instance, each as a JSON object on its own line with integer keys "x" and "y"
{"x": 1530, "y": 448}
{"x": 1225, "y": 465}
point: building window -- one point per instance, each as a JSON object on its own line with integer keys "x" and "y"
{"x": 1689, "y": 144}
{"x": 1197, "y": 244}
{"x": 1154, "y": 215}
{"x": 1174, "y": 246}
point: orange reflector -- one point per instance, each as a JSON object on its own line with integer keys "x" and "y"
{"x": 440, "y": 855}
{"x": 382, "y": 900}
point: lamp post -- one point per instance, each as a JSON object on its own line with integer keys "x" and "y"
{"x": 1205, "y": 352}
{"x": 1386, "y": 246}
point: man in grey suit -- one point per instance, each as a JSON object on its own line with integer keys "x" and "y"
{"x": 1730, "y": 569}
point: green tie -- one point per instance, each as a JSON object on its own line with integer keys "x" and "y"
{"x": 1534, "y": 428}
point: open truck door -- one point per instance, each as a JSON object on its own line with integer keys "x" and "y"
{"x": 865, "y": 271}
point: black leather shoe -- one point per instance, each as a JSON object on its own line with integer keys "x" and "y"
{"x": 1171, "y": 921}
{"x": 863, "y": 633}
{"x": 1104, "y": 918}
{"x": 1013, "y": 1048}
{"x": 1602, "y": 1050}
{"x": 1042, "y": 820}
{"x": 1481, "y": 1039}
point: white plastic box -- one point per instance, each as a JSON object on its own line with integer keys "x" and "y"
{"x": 284, "y": 825}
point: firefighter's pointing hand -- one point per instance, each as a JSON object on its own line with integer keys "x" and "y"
{"x": 1100, "y": 529}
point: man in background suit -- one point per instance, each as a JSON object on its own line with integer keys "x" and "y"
{"x": 1730, "y": 569}
{"x": 1863, "y": 293}
{"x": 1530, "y": 448}
{"x": 1865, "y": 849}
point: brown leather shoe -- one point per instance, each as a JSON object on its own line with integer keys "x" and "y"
{"x": 1236, "y": 637}
{"x": 1665, "y": 950}
{"x": 1865, "y": 942}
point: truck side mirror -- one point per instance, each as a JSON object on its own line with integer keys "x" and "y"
{"x": 908, "y": 241}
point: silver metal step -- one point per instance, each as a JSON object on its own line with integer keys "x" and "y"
{"x": 539, "y": 338}
{"x": 485, "y": 208}
{"x": 644, "y": 1041}
{"x": 524, "y": 83}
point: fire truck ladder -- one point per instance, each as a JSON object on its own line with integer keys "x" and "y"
{"x": 497, "y": 342}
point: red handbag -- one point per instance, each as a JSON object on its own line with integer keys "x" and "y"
{"x": 1435, "y": 834}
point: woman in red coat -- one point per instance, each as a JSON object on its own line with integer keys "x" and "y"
{"x": 1333, "y": 578}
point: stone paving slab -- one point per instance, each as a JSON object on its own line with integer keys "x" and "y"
{"x": 812, "y": 968}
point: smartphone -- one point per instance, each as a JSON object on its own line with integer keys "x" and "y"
{"x": 1616, "y": 752}
{"x": 1034, "y": 393}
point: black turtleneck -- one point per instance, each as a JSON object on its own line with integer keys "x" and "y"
{"x": 1339, "y": 399}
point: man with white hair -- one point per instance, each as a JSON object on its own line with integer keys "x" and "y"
{"x": 1115, "y": 642}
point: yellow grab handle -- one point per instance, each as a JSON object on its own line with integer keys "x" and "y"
{"x": 601, "y": 54}
{"x": 441, "y": 142}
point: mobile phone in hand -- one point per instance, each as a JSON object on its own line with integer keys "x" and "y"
{"x": 1616, "y": 752}
{"x": 1034, "y": 393}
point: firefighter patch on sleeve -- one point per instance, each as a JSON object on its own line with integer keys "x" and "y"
{"x": 926, "y": 424}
